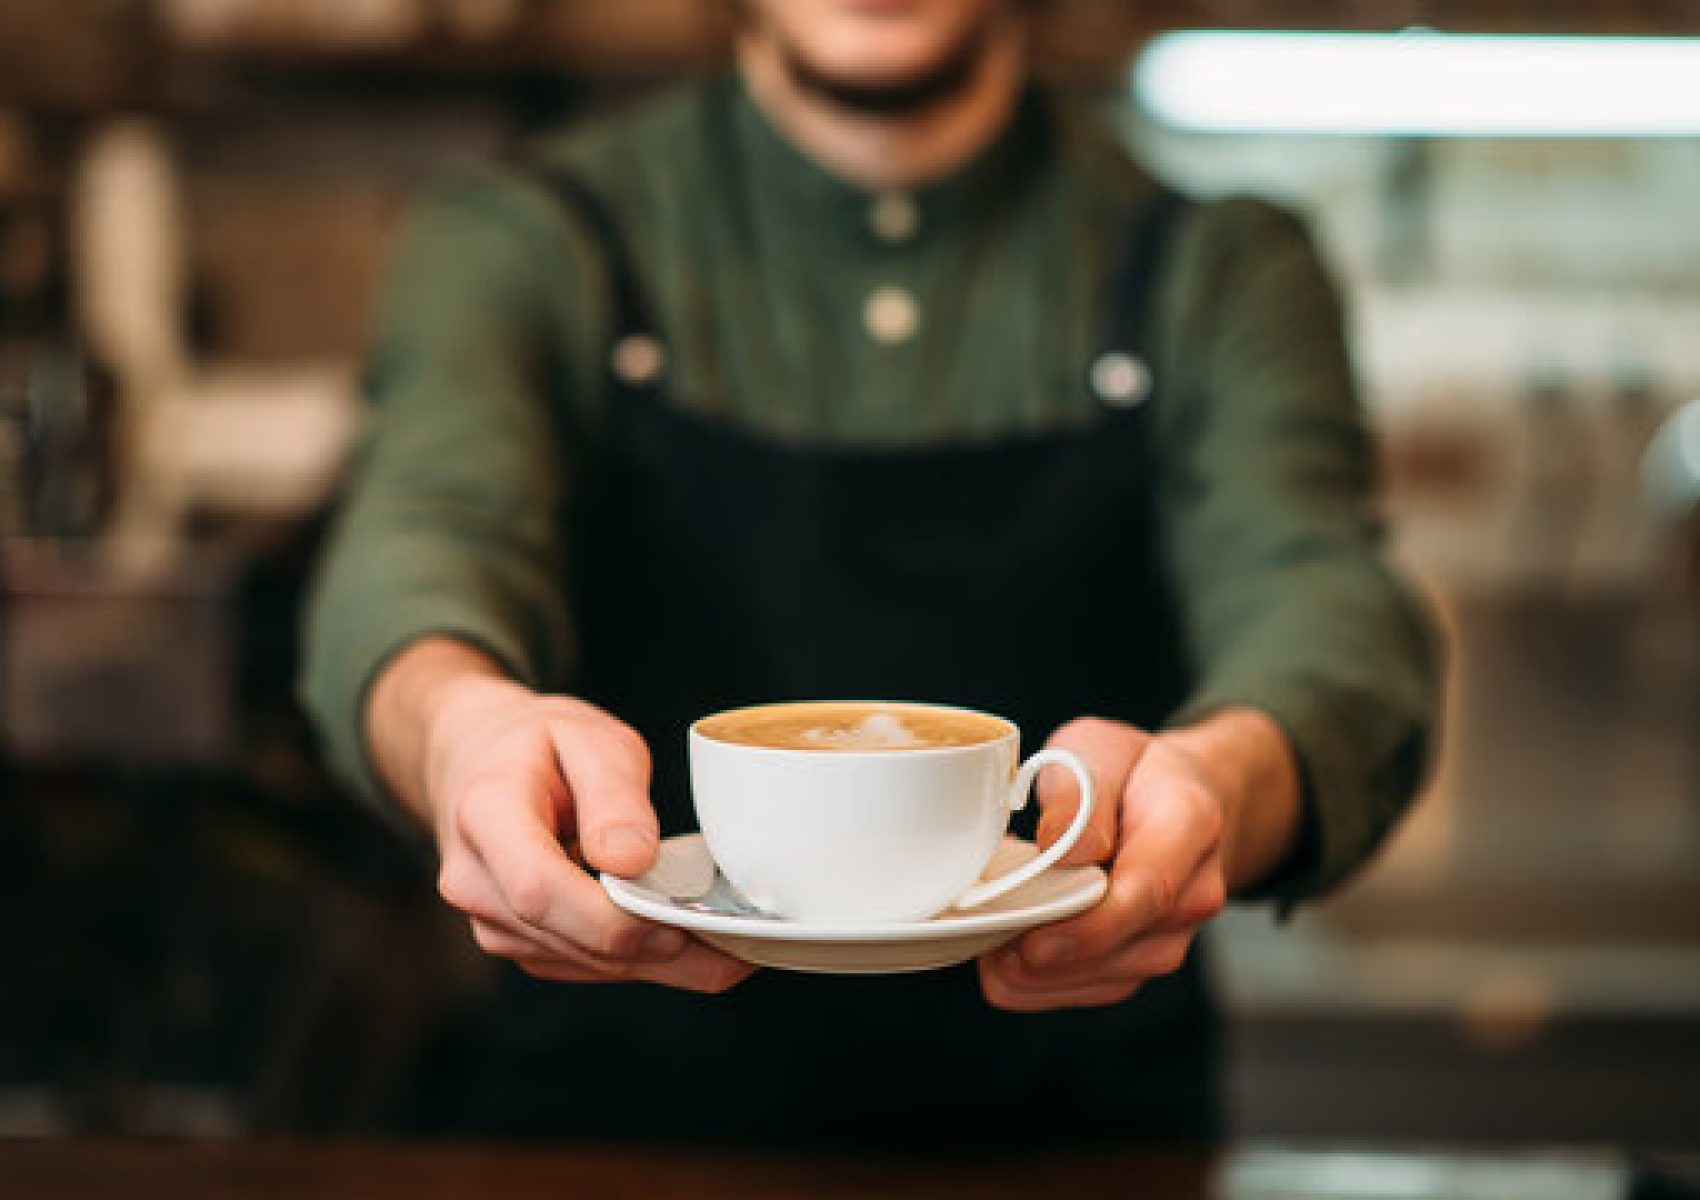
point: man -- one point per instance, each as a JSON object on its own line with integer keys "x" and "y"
{"x": 866, "y": 370}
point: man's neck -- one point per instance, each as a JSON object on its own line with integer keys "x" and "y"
{"x": 889, "y": 150}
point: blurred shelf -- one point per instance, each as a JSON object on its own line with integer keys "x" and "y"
{"x": 116, "y": 654}
{"x": 1500, "y": 982}
{"x": 633, "y": 41}
{"x": 1361, "y": 1079}
{"x": 1578, "y": 910}
{"x": 89, "y": 55}
{"x": 92, "y": 55}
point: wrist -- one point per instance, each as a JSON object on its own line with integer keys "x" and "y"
{"x": 446, "y": 677}
{"x": 412, "y": 701}
{"x": 1249, "y": 764}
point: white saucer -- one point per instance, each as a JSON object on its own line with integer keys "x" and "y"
{"x": 684, "y": 868}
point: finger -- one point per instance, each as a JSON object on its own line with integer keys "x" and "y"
{"x": 555, "y": 971}
{"x": 465, "y": 882}
{"x": 502, "y": 940}
{"x": 698, "y": 969}
{"x": 1109, "y": 750}
{"x": 503, "y": 829}
{"x": 1152, "y": 872}
{"x": 546, "y": 891}
{"x": 1145, "y": 958}
{"x": 1200, "y": 900}
{"x": 516, "y": 943}
{"x": 1037, "y": 1002}
{"x": 607, "y": 766}
{"x": 1000, "y": 993}
{"x": 505, "y": 942}
{"x": 701, "y": 968}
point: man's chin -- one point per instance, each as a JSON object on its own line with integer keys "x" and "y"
{"x": 896, "y": 93}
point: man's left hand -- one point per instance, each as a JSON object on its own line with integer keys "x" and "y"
{"x": 1184, "y": 816}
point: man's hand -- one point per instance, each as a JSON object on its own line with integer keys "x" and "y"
{"x": 504, "y": 777}
{"x": 1187, "y": 816}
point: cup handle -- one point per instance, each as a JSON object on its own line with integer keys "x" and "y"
{"x": 991, "y": 889}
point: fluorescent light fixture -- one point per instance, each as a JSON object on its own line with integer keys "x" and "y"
{"x": 1422, "y": 84}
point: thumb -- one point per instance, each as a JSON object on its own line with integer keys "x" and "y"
{"x": 606, "y": 767}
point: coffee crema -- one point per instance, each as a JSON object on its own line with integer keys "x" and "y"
{"x": 852, "y": 727}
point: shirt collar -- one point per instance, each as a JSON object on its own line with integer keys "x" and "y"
{"x": 776, "y": 166}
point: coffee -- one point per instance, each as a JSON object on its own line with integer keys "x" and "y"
{"x": 855, "y": 727}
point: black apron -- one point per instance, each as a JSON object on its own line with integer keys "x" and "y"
{"x": 717, "y": 567}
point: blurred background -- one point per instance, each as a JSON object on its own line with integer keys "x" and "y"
{"x": 199, "y": 935}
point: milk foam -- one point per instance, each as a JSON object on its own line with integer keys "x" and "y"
{"x": 876, "y": 731}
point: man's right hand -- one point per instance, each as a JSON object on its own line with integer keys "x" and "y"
{"x": 510, "y": 781}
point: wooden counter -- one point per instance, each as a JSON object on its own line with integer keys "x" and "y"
{"x": 263, "y": 1171}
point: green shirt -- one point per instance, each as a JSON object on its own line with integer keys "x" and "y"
{"x": 802, "y": 306}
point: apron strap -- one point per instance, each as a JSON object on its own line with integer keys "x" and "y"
{"x": 1119, "y": 373}
{"x": 632, "y": 318}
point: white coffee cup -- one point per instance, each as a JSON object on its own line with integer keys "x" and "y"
{"x": 855, "y": 837}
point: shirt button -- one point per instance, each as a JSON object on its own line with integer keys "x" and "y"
{"x": 1120, "y": 380}
{"x": 891, "y": 315}
{"x": 639, "y": 360}
{"x": 894, "y": 217}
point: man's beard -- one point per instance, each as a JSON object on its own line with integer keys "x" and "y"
{"x": 945, "y": 79}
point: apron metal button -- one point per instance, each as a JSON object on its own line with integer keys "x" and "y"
{"x": 639, "y": 359}
{"x": 891, "y": 315}
{"x": 1120, "y": 380}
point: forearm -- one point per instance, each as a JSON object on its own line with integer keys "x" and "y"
{"x": 402, "y": 704}
{"x": 452, "y": 524}
{"x": 1248, "y": 759}
{"x": 1274, "y": 529}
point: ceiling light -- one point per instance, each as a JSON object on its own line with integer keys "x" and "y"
{"x": 1421, "y": 84}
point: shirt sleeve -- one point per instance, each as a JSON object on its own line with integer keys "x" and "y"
{"x": 451, "y": 523}
{"x": 1275, "y": 538}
